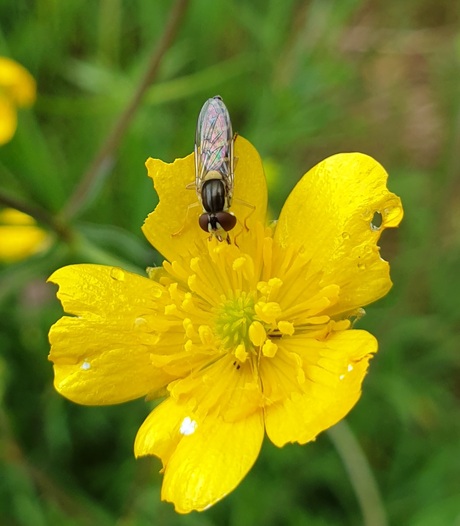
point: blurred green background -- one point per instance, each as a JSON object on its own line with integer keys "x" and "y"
{"x": 302, "y": 80}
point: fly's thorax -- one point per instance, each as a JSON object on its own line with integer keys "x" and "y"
{"x": 212, "y": 174}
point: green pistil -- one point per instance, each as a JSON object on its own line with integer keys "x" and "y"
{"x": 233, "y": 319}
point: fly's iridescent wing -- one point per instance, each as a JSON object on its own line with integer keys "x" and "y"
{"x": 214, "y": 144}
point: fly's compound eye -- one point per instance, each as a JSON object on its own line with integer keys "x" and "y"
{"x": 204, "y": 221}
{"x": 226, "y": 220}
{"x": 218, "y": 221}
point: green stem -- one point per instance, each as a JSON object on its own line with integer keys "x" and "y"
{"x": 360, "y": 474}
{"x": 40, "y": 214}
{"x": 103, "y": 159}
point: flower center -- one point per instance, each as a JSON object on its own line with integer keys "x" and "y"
{"x": 233, "y": 319}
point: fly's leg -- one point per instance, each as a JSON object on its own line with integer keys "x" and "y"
{"x": 179, "y": 232}
{"x": 244, "y": 225}
{"x": 190, "y": 186}
{"x": 247, "y": 205}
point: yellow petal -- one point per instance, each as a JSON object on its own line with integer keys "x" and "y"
{"x": 16, "y": 82}
{"x": 204, "y": 458}
{"x": 328, "y": 217}
{"x": 20, "y": 237}
{"x": 102, "y": 356}
{"x": 173, "y": 229}
{"x": 225, "y": 387}
{"x": 160, "y": 433}
{"x": 8, "y": 119}
{"x": 334, "y": 370}
{"x": 210, "y": 463}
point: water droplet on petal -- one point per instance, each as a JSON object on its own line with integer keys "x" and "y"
{"x": 117, "y": 274}
{"x": 376, "y": 221}
{"x": 188, "y": 426}
{"x": 140, "y": 321}
{"x": 341, "y": 377}
{"x": 350, "y": 368}
{"x": 345, "y": 235}
{"x": 85, "y": 366}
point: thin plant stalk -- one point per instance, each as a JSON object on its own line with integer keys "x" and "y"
{"x": 103, "y": 159}
{"x": 360, "y": 474}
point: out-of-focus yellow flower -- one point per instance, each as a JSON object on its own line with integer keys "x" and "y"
{"x": 241, "y": 340}
{"x": 17, "y": 89}
{"x": 20, "y": 237}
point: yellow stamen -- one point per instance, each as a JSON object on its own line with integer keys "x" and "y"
{"x": 268, "y": 312}
{"x": 267, "y": 255}
{"x": 269, "y": 349}
{"x": 341, "y": 325}
{"x": 206, "y": 335}
{"x": 257, "y": 334}
{"x": 244, "y": 264}
{"x": 241, "y": 353}
{"x": 189, "y": 328}
{"x": 171, "y": 309}
{"x": 286, "y": 327}
{"x": 270, "y": 289}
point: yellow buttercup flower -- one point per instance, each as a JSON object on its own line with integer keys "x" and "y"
{"x": 240, "y": 339}
{"x": 17, "y": 89}
{"x": 20, "y": 237}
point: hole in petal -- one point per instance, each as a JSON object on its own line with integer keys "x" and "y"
{"x": 376, "y": 221}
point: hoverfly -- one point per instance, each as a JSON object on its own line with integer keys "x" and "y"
{"x": 214, "y": 165}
